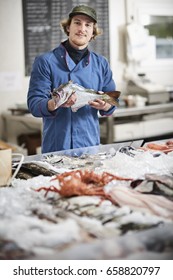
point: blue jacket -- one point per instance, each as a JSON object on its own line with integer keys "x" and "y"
{"x": 64, "y": 129}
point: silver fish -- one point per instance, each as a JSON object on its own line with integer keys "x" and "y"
{"x": 84, "y": 95}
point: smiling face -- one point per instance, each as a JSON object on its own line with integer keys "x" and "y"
{"x": 80, "y": 31}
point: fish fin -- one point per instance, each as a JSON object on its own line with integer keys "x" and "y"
{"x": 55, "y": 90}
{"x": 114, "y": 95}
{"x": 112, "y": 101}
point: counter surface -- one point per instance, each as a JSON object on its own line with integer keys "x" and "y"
{"x": 150, "y": 109}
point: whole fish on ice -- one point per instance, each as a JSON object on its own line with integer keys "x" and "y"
{"x": 64, "y": 91}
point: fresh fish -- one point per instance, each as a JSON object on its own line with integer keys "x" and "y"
{"x": 156, "y": 184}
{"x": 12, "y": 251}
{"x": 154, "y": 204}
{"x": 32, "y": 169}
{"x": 84, "y": 95}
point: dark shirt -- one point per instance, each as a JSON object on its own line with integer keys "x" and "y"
{"x": 76, "y": 55}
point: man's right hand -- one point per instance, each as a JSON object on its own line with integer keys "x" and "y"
{"x": 70, "y": 101}
{"x": 53, "y": 103}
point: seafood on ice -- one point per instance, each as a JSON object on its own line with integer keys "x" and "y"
{"x": 150, "y": 203}
{"x": 156, "y": 184}
{"x": 82, "y": 182}
{"x": 84, "y": 95}
{"x": 165, "y": 147}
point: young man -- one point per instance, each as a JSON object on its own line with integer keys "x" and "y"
{"x": 71, "y": 60}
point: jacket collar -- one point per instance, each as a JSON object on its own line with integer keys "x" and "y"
{"x": 61, "y": 53}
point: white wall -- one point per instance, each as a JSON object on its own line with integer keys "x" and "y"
{"x": 12, "y": 51}
{"x": 117, "y": 22}
{"x": 14, "y": 84}
{"x": 158, "y": 70}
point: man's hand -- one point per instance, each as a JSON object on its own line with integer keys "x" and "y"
{"x": 53, "y": 103}
{"x": 100, "y": 105}
{"x": 70, "y": 101}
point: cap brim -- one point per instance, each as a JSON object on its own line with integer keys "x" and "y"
{"x": 81, "y": 13}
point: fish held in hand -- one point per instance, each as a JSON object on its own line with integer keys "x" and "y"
{"x": 64, "y": 91}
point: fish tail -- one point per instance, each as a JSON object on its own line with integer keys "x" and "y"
{"x": 113, "y": 97}
{"x": 112, "y": 101}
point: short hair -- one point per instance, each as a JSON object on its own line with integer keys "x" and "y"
{"x": 66, "y": 22}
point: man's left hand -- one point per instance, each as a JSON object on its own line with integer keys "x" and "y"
{"x": 100, "y": 105}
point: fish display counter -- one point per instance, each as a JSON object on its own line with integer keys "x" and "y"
{"x": 111, "y": 201}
